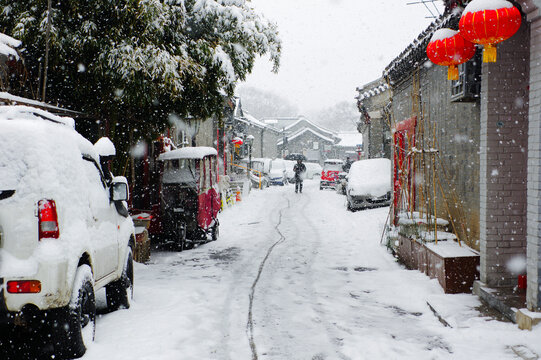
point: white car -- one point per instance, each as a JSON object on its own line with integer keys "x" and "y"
{"x": 369, "y": 184}
{"x": 289, "y": 170}
{"x": 64, "y": 229}
{"x": 278, "y": 172}
{"x": 313, "y": 170}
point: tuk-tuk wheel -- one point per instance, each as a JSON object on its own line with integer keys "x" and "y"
{"x": 181, "y": 237}
{"x": 215, "y": 231}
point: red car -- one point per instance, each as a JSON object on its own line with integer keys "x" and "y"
{"x": 329, "y": 175}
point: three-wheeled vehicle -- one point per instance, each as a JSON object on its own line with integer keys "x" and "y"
{"x": 329, "y": 174}
{"x": 190, "y": 197}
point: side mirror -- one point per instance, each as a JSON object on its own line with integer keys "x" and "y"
{"x": 119, "y": 189}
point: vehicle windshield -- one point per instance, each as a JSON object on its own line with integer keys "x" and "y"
{"x": 334, "y": 166}
{"x": 179, "y": 171}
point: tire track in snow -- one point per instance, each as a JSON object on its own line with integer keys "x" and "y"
{"x": 250, "y": 323}
{"x": 329, "y": 327}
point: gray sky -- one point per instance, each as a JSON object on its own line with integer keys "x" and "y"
{"x": 332, "y": 46}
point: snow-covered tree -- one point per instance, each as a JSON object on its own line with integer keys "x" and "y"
{"x": 341, "y": 116}
{"x": 264, "y": 103}
{"x": 141, "y": 59}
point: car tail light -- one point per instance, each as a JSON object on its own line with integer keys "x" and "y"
{"x": 24, "y": 287}
{"x": 48, "y": 219}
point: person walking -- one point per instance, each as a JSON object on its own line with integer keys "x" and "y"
{"x": 347, "y": 165}
{"x": 299, "y": 169}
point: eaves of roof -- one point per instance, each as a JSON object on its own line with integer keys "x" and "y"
{"x": 256, "y": 124}
{"x": 415, "y": 54}
{"x": 321, "y": 129}
{"x": 301, "y": 132}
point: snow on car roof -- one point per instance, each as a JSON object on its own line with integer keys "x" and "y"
{"x": 19, "y": 112}
{"x": 197, "y": 152}
{"x": 334, "y": 161}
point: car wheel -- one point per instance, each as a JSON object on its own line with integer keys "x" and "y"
{"x": 74, "y": 328}
{"x": 119, "y": 293}
{"x": 349, "y": 206}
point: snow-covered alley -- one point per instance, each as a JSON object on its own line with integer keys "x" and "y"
{"x": 296, "y": 276}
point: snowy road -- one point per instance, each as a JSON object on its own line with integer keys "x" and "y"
{"x": 296, "y": 276}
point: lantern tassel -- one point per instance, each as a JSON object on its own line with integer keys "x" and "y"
{"x": 489, "y": 53}
{"x": 452, "y": 72}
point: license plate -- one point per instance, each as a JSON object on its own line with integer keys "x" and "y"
{"x": 178, "y": 210}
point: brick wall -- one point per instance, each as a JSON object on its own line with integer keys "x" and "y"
{"x": 457, "y": 134}
{"x": 503, "y": 158}
{"x": 378, "y": 145}
{"x": 534, "y": 168}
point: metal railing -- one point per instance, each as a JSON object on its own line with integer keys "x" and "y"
{"x": 260, "y": 174}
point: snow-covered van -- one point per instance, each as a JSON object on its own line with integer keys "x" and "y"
{"x": 64, "y": 229}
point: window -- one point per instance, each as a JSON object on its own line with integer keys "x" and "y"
{"x": 468, "y": 86}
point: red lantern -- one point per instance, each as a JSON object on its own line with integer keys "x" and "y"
{"x": 448, "y": 48}
{"x": 489, "y": 23}
{"x": 237, "y": 141}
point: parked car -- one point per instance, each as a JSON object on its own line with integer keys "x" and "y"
{"x": 369, "y": 184}
{"x": 262, "y": 167}
{"x": 65, "y": 232}
{"x": 341, "y": 183}
{"x": 278, "y": 172}
{"x": 329, "y": 174}
{"x": 289, "y": 170}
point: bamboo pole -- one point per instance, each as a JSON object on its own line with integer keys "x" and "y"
{"x": 449, "y": 212}
{"x": 458, "y": 205}
{"x": 434, "y": 185}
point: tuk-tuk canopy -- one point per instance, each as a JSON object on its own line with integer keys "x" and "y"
{"x": 198, "y": 152}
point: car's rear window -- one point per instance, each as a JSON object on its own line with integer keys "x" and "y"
{"x": 333, "y": 166}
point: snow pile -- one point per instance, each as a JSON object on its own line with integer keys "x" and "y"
{"x": 443, "y": 34}
{"x": 480, "y": 5}
{"x": 409, "y": 218}
{"x": 369, "y": 177}
{"x": 104, "y": 147}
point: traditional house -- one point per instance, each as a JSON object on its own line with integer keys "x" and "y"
{"x": 350, "y": 146}
{"x": 481, "y": 136}
{"x": 301, "y": 136}
{"x": 373, "y": 102}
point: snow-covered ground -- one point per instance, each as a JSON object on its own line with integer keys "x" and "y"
{"x": 296, "y": 276}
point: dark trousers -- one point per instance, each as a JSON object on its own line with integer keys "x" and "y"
{"x": 298, "y": 184}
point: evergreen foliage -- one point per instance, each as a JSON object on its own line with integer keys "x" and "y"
{"x": 137, "y": 61}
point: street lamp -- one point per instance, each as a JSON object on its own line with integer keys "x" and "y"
{"x": 249, "y": 142}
